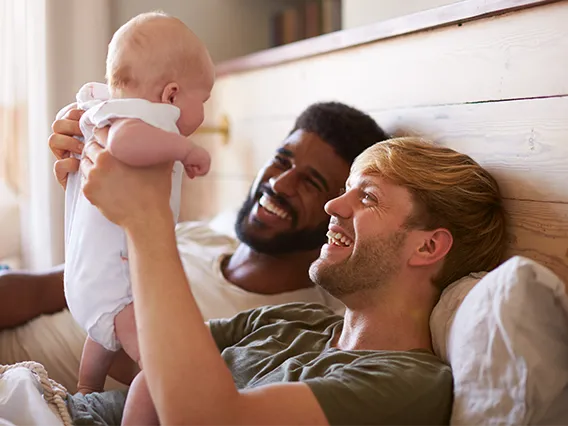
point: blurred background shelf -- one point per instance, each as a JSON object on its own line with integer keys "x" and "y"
{"x": 309, "y": 19}
{"x": 235, "y": 28}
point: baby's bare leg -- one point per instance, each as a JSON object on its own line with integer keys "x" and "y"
{"x": 139, "y": 408}
{"x": 95, "y": 363}
{"x": 123, "y": 368}
{"x": 125, "y": 329}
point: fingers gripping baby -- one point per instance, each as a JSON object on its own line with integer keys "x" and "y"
{"x": 159, "y": 74}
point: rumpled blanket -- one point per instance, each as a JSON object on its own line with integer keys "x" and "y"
{"x": 100, "y": 409}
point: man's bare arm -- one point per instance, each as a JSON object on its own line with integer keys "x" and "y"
{"x": 25, "y": 296}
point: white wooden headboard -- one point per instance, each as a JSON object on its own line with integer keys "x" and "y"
{"x": 487, "y": 79}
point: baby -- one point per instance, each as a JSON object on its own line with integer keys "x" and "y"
{"x": 159, "y": 75}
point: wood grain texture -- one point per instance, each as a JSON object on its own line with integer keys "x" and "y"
{"x": 514, "y": 56}
{"x": 540, "y": 231}
{"x": 451, "y": 14}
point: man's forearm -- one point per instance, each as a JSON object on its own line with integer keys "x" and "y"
{"x": 24, "y": 296}
{"x": 167, "y": 316}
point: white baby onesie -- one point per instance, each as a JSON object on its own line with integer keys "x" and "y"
{"x": 97, "y": 278}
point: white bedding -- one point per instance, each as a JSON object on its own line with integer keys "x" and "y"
{"x": 506, "y": 339}
{"x": 21, "y": 400}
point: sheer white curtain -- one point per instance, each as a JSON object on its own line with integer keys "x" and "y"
{"x": 17, "y": 58}
{"x": 77, "y": 34}
{"x": 48, "y": 49}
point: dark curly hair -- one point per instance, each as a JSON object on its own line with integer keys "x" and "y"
{"x": 348, "y": 130}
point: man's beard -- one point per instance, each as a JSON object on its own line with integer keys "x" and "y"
{"x": 375, "y": 263}
{"x": 283, "y": 243}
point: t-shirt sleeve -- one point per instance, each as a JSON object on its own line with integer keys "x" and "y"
{"x": 407, "y": 391}
{"x": 229, "y": 331}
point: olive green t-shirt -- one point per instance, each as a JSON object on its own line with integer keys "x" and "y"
{"x": 291, "y": 343}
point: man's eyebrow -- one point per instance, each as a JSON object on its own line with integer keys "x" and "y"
{"x": 363, "y": 184}
{"x": 369, "y": 183}
{"x": 285, "y": 152}
{"x": 317, "y": 175}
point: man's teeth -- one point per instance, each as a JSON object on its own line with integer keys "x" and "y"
{"x": 338, "y": 239}
{"x": 273, "y": 208}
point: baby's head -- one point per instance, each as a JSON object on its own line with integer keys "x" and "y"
{"x": 157, "y": 57}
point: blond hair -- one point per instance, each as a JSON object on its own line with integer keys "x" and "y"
{"x": 153, "y": 49}
{"x": 449, "y": 191}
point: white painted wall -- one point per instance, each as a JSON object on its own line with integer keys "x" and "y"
{"x": 363, "y": 12}
{"x": 229, "y": 28}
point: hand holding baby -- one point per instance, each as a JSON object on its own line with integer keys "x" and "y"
{"x": 124, "y": 194}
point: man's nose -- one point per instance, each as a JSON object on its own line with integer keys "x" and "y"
{"x": 339, "y": 206}
{"x": 285, "y": 183}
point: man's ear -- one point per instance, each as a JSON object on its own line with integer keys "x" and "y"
{"x": 169, "y": 93}
{"x": 432, "y": 247}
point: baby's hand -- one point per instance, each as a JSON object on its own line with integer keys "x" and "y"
{"x": 198, "y": 162}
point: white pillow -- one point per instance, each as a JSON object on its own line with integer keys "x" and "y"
{"x": 508, "y": 348}
{"x": 445, "y": 310}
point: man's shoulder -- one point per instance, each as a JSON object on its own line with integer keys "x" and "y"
{"x": 261, "y": 323}
{"x": 297, "y": 311}
{"x": 418, "y": 363}
{"x": 200, "y": 233}
{"x": 296, "y": 314}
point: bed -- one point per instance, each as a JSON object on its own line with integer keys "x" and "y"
{"x": 487, "y": 78}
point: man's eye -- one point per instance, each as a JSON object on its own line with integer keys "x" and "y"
{"x": 282, "y": 161}
{"x": 314, "y": 184}
{"x": 368, "y": 198}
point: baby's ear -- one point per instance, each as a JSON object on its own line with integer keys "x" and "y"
{"x": 170, "y": 92}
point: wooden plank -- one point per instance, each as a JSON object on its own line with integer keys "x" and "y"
{"x": 539, "y": 231}
{"x": 514, "y": 56}
{"x": 451, "y": 14}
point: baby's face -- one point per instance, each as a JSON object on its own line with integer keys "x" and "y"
{"x": 191, "y": 112}
{"x": 190, "y": 102}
